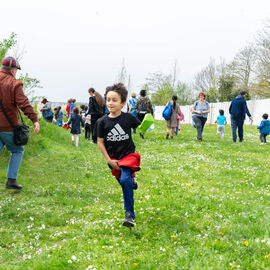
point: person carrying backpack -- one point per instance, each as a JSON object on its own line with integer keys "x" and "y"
{"x": 172, "y": 122}
{"x": 131, "y": 107}
{"x": 143, "y": 106}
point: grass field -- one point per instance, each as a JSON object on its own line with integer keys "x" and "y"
{"x": 199, "y": 205}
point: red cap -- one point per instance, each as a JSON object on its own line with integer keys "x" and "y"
{"x": 10, "y": 62}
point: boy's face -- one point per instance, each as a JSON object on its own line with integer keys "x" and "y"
{"x": 114, "y": 102}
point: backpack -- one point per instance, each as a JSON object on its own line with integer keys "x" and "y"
{"x": 167, "y": 112}
{"x": 143, "y": 107}
{"x": 133, "y": 111}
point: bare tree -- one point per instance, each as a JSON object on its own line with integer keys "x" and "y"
{"x": 263, "y": 64}
{"x": 242, "y": 68}
{"x": 206, "y": 78}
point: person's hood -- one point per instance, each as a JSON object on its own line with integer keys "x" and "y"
{"x": 267, "y": 122}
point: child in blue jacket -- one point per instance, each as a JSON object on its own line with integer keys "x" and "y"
{"x": 75, "y": 120}
{"x": 264, "y": 128}
{"x": 59, "y": 116}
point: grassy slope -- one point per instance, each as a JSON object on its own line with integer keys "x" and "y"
{"x": 196, "y": 205}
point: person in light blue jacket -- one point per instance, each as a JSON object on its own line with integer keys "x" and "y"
{"x": 264, "y": 128}
{"x": 200, "y": 111}
{"x": 59, "y": 116}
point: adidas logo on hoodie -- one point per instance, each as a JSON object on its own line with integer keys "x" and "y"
{"x": 117, "y": 134}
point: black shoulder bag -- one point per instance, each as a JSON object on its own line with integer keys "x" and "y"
{"x": 21, "y": 131}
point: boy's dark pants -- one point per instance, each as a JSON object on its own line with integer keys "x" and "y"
{"x": 263, "y": 138}
{"x": 237, "y": 122}
{"x": 87, "y": 130}
{"x": 199, "y": 123}
{"x": 125, "y": 181}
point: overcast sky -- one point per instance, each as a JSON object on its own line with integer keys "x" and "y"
{"x": 73, "y": 45}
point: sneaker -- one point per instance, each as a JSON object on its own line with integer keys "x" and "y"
{"x": 12, "y": 184}
{"x": 129, "y": 221}
{"x": 135, "y": 183}
{"x": 167, "y": 136}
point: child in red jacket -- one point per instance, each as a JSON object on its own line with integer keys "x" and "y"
{"x": 116, "y": 145}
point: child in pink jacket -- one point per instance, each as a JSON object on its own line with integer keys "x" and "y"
{"x": 180, "y": 117}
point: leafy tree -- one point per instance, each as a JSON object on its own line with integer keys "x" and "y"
{"x": 226, "y": 88}
{"x": 30, "y": 85}
{"x": 7, "y": 44}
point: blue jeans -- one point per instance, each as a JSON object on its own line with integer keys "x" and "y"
{"x": 199, "y": 123}
{"x": 6, "y": 139}
{"x": 125, "y": 181}
{"x": 237, "y": 123}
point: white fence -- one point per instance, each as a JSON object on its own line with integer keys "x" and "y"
{"x": 256, "y": 107}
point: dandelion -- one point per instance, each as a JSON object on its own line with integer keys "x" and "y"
{"x": 246, "y": 243}
{"x": 189, "y": 185}
{"x": 179, "y": 243}
{"x": 74, "y": 258}
{"x": 173, "y": 236}
{"x": 135, "y": 264}
{"x": 164, "y": 207}
{"x": 221, "y": 233}
{"x": 159, "y": 218}
{"x": 263, "y": 248}
{"x": 104, "y": 260}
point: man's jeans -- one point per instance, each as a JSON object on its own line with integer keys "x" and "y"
{"x": 125, "y": 181}
{"x": 6, "y": 139}
{"x": 237, "y": 123}
{"x": 199, "y": 123}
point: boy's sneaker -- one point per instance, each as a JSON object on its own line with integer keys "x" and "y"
{"x": 135, "y": 183}
{"x": 129, "y": 221}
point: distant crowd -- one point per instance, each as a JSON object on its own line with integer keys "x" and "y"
{"x": 87, "y": 116}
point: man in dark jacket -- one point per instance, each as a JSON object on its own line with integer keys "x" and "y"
{"x": 12, "y": 98}
{"x": 238, "y": 110}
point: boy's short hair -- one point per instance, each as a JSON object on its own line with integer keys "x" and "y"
{"x": 120, "y": 89}
{"x": 221, "y": 112}
{"x": 133, "y": 94}
{"x": 73, "y": 100}
{"x": 265, "y": 116}
{"x": 76, "y": 110}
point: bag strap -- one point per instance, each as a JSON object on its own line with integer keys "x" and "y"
{"x": 2, "y": 107}
{"x": 5, "y": 113}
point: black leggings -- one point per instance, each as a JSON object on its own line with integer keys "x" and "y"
{"x": 93, "y": 130}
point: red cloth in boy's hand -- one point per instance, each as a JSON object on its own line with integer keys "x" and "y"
{"x": 132, "y": 161}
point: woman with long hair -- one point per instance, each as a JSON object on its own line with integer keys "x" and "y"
{"x": 96, "y": 109}
{"x": 172, "y": 122}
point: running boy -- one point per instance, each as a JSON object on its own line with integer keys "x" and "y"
{"x": 221, "y": 122}
{"x": 116, "y": 145}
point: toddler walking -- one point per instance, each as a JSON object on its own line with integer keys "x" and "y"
{"x": 221, "y": 122}
{"x": 75, "y": 120}
{"x": 264, "y": 128}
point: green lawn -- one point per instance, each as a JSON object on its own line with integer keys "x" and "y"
{"x": 199, "y": 205}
